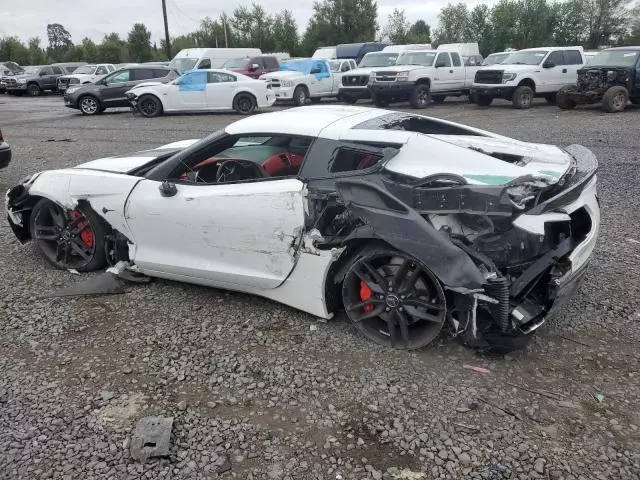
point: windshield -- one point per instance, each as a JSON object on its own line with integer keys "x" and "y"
{"x": 235, "y": 63}
{"x": 87, "y": 69}
{"x": 614, "y": 58}
{"x": 531, "y": 57}
{"x": 416, "y": 58}
{"x": 303, "y": 66}
{"x": 183, "y": 64}
{"x": 32, "y": 70}
{"x": 378, "y": 60}
{"x": 495, "y": 58}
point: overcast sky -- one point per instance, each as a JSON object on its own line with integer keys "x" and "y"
{"x": 96, "y": 18}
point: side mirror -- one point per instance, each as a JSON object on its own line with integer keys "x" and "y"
{"x": 548, "y": 64}
{"x": 167, "y": 189}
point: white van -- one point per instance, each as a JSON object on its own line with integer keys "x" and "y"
{"x": 404, "y": 48}
{"x": 325, "y": 53}
{"x": 191, "y": 58}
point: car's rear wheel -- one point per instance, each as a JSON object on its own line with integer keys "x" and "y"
{"x": 523, "y": 97}
{"x": 315, "y": 99}
{"x": 438, "y": 99}
{"x": 563, "y": 100}
{"x": 483, "y": 100}
{"x": 149, "y": 106}
{"x": 615, "y": 99}
{"x": 420, "y": 96}
{"x": 244, "y": 104}
{"x": 69, "y": 238}
{"x": 300, "y": 95}
{"x": 379, "y": 100}
{"x": 88, "y": 105}
{"x": 349, "y": 99}
{"x": 393, "y": 299}
{"x": 34, "y": 90}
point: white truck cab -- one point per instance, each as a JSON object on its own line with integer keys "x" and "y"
{"x": 85, "y": 74}
{"x": 205, "y": 58}
{"x": 421, "y": 76}
{"x": 353, "y": 84}
{"x": 526, "y": 74}
{"x": 303, "y": 79}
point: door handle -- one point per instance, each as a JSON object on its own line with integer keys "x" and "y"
{"x": 564, "y": 70}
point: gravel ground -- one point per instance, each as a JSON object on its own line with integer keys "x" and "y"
{"x": 258, "y": 390}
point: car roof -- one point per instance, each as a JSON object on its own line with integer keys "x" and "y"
{"x": 577, "y": 47}
{"x": 146, "y": 67}
{"x": 308, "y": 121}
{"x": 633, "y": 48}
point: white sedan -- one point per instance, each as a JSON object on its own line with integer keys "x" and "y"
{"x": 202, "y": 91}
{"x": 405, "y": 222}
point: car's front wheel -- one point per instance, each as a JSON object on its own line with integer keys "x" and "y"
{"x": 69, "y": 238}
{"x": 563, "y": 100}
{"x": 34, "y": 90}
{"x": 245, "y": 104}
{"x": 523, "y": 97}
{"x": 88, "y": 105}
{"x": 615, "y": 99}
{"x": 149, "y": 106}
{"x": 483, "y": 100}
{"x": 421, "y": 96}
{"x": 393, "y": 299}
{"x": 300, "y": 95}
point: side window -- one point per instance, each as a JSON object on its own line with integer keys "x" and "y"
{"x": 101, "y": 71}
{"x": 345, "y": 67}
{"x": 347, "y": 159}
{"x": 158, "y": 73}
{"x": 120, "y": 77}
{"x": 456, "y": 59}
{"x": 443, "y": 60}
{"x": 556, "y": 57}
{"x": 46, "y": 71}
{"x": 56, "y": 70}
{"x": 204, "y": 63}
{"x": 143, "y": 74}
{"x": 573, "y": 57}
{"x": 111, "y": 68}
{"x": 193, "y": 82}
{"x": 272, "y": 63}
{"x": 218, "y": 77}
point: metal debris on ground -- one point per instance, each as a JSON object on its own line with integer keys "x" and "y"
{"x": 476, "y": 369}
{"x": 151, "y": 438}
{"x": 599, "y": 397}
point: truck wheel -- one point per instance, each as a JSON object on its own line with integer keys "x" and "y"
{"x": 615, "y": 99}
{"x": 438, "y": 99}
{"x": 522, "y": 97}
{"x": 150, "y": 106}
{"x": 563, "y": 100}
{"x": 88, "y": 105}
{"x": 34, "y": 90}
{"x": 420, "y": 96}
{"x": 300, "y": 95}
{"x": 315, "y": 99}
{"x": 379, "y": 101}
{"x": 483, "y": 100}
{"x": 348, "y": 99}
{"x": 551, "y": 98}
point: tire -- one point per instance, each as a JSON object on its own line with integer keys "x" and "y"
{"x": 350, "y": 100}
{"x": 34, "y": 90}
{"x": 635, "y": 101}
{"x": 315, "y": 99}
{"x": 615, "y": 99}
{"x": 392, "y": 298}
{"x": 563, "y": 100}
{"x": 149, "y": 106}
{"x": 300, "y": 95}
{"x": 420, "y": 96}
{"x": 483, "y": 100}
{"x": 52, "y": 228}
{"x": 88, "y": 105}
{"x": 523, "y": 97}
{"x": 551, "y": 98}
{"x": 379, "y": 101}
{"x": 244, "y": 104}
{"x": 438, "y": 99}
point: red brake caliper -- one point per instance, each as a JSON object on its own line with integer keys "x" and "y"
{"x": 365, "y": 294}
{"x": 86, "y": 234}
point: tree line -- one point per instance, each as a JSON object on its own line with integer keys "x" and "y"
{"x": 508, "y": 24}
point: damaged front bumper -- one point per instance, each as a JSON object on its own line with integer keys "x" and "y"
{"x": 18, "y": 205}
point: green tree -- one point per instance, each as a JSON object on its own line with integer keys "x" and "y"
{"x": 12, "y": 49}
{"x": 37, "y": 55}
{"x": 504, "y": 18}
{"x": 285, "y": 33}
{"x": 569, "y": 26}
{"x": 419, "y": 32}
{"x": 453, "y": 24}
{"x": 111, "y": 49}
{"x": 535, "y": 21}
{"x": 59, "y": 41}
{"x": 139, "y": 43}
{"x": 479, "y": 28}
{"x": 397, "y": 29}
{"x": 90, "y": 52}
{"x": 252, "y": 27}
{"x": 605, "y": 19}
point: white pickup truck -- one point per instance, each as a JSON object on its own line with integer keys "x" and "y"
{"x": 85, "y": 74}
{"x": 304, "y": 79}
{"x": 421, "y": 76}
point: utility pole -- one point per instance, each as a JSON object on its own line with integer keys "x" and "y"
{"x": 224, "y": 24}
{"x": 167, "y": 40}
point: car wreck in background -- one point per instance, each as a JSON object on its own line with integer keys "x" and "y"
{"x": 405, "y": 222}
{"x": 612, "y": 77}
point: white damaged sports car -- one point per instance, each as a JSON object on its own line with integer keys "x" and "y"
{"x": 405, "y": 222}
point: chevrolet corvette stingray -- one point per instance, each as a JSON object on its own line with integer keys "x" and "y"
{"x": 405, "y": 222}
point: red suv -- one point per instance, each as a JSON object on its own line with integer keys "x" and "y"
{"x": 253, "y": 66}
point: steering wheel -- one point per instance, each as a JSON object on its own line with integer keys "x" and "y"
{"x": 230, "y": 168}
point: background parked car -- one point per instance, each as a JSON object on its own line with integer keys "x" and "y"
{"x": 253, "y": 66}
{"x": 8, "y": 69}
{"x": 68, "y": 67}
{"x": 204, "y": 58}
{"x": 34, "y": 80}
{"x": 202, "y": 91}
{"x": 5, "y": 152}
{"x": 109, "y": 92}
{"x": 85, "y": 74}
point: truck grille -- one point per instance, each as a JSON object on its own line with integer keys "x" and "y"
{"x": 385, "y": 76}
{"x": 10, "y": 82}
{"x": 273, "y": 83}
{"x": 63, "y": 82}
{"x": 488, "y": 76}
{"x": 355, "y": 80}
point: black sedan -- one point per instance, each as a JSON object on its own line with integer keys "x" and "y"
{"x": 5, "y": 152}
